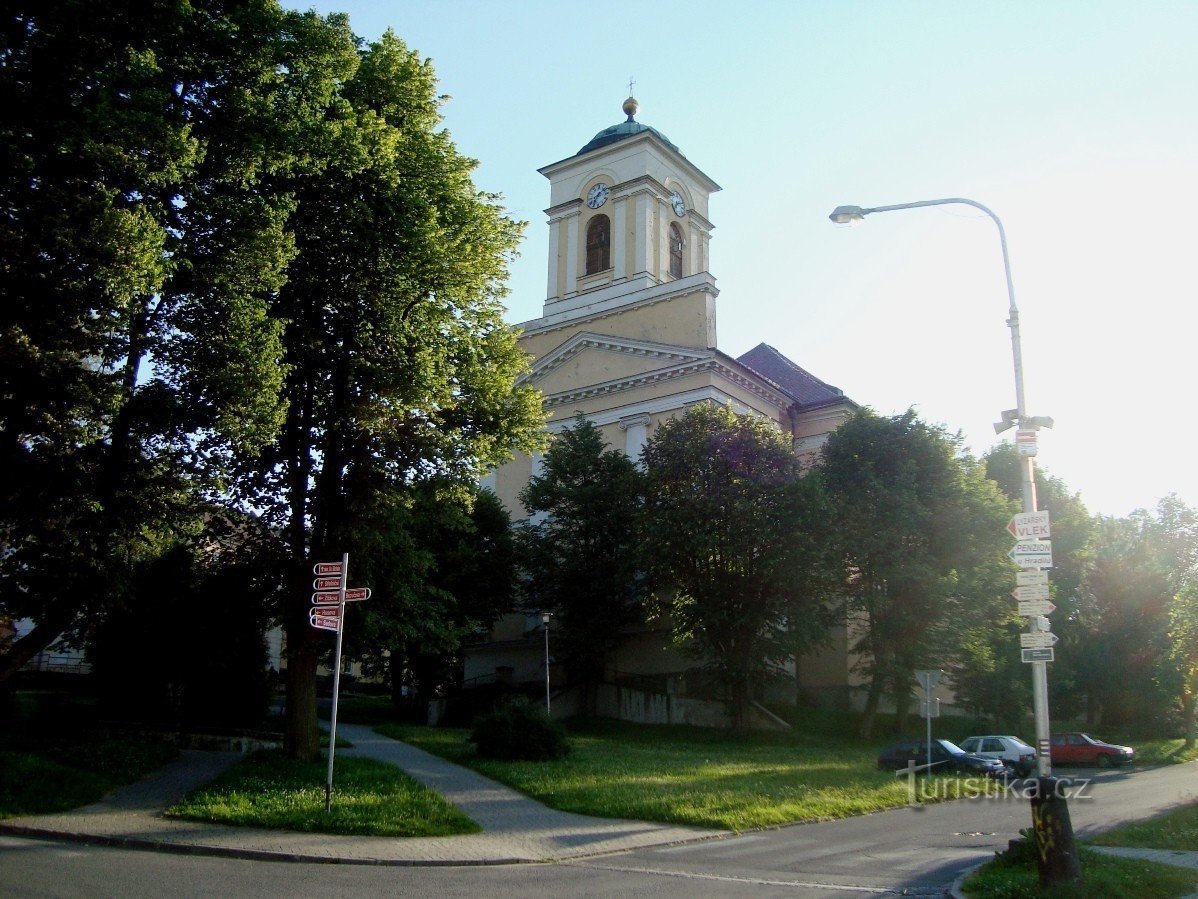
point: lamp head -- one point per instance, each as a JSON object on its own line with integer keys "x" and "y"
{"x": 846, "y": 215}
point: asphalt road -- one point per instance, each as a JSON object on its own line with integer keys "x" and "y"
{"x": 916, "y": 850}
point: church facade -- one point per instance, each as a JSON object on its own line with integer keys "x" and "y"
{"x": 627, "y": 338}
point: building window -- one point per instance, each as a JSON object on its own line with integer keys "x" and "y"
{"x": 598, "y": 244}
{"x": 675, "y": 250}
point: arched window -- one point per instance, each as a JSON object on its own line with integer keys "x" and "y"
{"x": 675, "y": 250}
{"x": 598, "y": 244}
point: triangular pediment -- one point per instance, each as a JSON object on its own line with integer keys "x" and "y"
{"x": 587, "y": 360}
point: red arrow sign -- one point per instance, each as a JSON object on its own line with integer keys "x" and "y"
{"x": 325, "y": 619}
{"x": 326, "y": 599}
{"x": 357, "y": 594}
{"x": 327, "y": 583}
{"x": 326, "y": 568}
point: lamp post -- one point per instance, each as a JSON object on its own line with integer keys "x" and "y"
{"x": 545, "y": 621}
{"x": 1045, "y": 818}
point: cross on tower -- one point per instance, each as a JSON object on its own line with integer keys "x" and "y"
{"x": 630, "y": 84}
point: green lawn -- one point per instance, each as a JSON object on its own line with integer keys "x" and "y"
{"x": 1177, "y": 829}
{"x": 685, "y": 775}
{"x": 56, "y": 774}
{"x": 1005, "y": 878}
{"x": 1161, "y": 752}
{"x": 369, "y": 798}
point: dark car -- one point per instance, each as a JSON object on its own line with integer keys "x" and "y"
{"x": 1082, "y": 749}
{"x": 946, "y": 757}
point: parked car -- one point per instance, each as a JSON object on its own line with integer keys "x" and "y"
{"x": 1082, "y": 749}
{"x": 1018, "y": 755}
{"x": 946, "y": 756}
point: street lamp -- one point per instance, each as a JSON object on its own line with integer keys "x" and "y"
{"x": 545, "y": 621}
{"x": 1026, "y": 438}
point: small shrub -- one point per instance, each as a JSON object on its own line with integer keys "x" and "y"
{"x": 519, "y": 729}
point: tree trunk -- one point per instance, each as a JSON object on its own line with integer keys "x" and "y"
{"x": 902, "y": 709}
{"x": 872, "y": 699}
{"x": 32, "y": 643}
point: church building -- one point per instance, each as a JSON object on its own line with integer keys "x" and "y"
{"x": 627, "y": 338}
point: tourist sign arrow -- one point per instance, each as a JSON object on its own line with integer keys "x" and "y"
{"x": 326, "y": 599}
{"x": 327, "y": 583}
{"x": 326, "y": 568}
{"x": 1037, "y": 655}
{"x": 1038, "y": 640}
{"x": 356, "y": 594}
{"x": 325, "y": 618}
{"x": 1036, "y": 591}
{"x": 1030, "y": 526}
{"x": 1031, "y": 608}
{"x": 1032, "y": 554}
{"x": 1031, "y": 578}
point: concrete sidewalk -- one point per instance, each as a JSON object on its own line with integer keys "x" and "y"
{"x": 515, "y": 828}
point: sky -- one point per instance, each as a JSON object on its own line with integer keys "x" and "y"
{"x": 1075, "y": 122}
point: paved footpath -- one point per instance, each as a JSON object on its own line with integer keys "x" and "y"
{"x": 515, "y": 828}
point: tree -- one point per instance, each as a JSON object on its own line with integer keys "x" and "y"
{"x": 1141, "y": 563}
{"x": 914, "y": 523}
{"x": 142, "y": 239}
{"x": 441, "y": 563}
{"x": 1183, "y": 654}
{"x": 992, "y": 678}
{"x": 400, "y": 369}
{"x": 579, "y": 551}
{"x": 731, "y": 543}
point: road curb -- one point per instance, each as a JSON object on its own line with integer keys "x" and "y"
{"x": 261, "y": 855}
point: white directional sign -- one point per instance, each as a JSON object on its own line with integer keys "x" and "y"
{"x": 1035, "y": 607}
{"x": 1032, "y": 554}
{"x": 1031, "y": 578}
{"x": 1038, "y": 640}
{"x": 1036, "y": 591}
{"x": 1030, "y": 526}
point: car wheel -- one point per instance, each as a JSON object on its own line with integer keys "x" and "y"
{"x": 1104, "y": 761}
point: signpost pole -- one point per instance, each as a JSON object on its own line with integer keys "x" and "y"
{"x": 328, "y": 787}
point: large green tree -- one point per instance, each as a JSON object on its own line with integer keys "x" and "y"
{"x": 142, "y": 235}
{"x": 918, "y": 531}
{"x": 733, "y": 546}
{"x": 400, "y": 368}
{"x": 579, "y": 553}
{"x": 1123, "y": 624}
{"x": 992, "y": 678}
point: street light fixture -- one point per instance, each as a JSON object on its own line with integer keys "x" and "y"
{"x": 1028, "y": 426}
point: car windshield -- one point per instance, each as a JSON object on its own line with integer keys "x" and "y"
{"x": 1089, "y": 739}
{"x": 952, "y": 747}
{"x": 1018, "y": 743}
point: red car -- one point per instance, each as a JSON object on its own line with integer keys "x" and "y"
{"x": 1082, "y": 749}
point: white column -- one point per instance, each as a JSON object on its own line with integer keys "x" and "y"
{"x": 643, "y": 225}
{"x": 538, "y": 467}
{"x": 554, "y": 261}
{"x": 661, "y": 222}
{"x": 636, "y": 435}
{"x": 619, "y": 238}
{"x": 571, "y": 253}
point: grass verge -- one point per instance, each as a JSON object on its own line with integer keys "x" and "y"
{"x": 1007, "y": 878}
{"x": 1177, "y": 829}
{"x": 67, "y": 773}
{"x": 685, "y": 775}
{"x": 369, "y": 798}
{"x": 1163, "y": 752}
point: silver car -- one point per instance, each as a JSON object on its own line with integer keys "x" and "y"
{"x": 1020, "y": 757}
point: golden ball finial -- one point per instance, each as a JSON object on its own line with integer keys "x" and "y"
{"x": 631, "y": 107}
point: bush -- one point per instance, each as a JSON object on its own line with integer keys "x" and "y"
{"x": 519, "y": 729}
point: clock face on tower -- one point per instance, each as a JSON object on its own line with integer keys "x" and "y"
{"x": 597, "y": 195}
{"x": 678, "y": 203}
